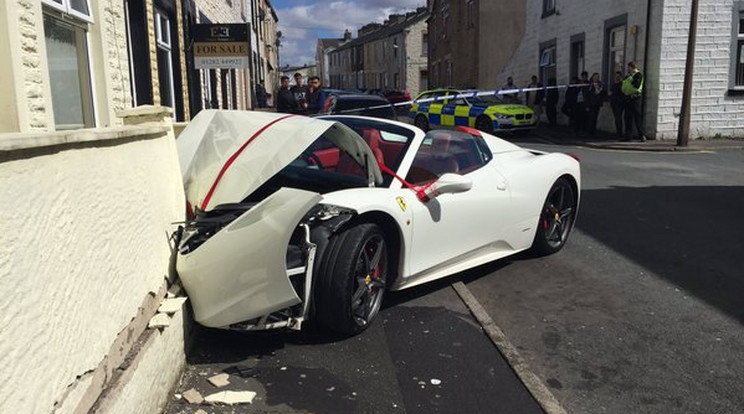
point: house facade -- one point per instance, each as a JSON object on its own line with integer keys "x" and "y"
{"x": 71, "y": 64}
{"x": 391, "y": 55}
{"x": 560, "y": 39}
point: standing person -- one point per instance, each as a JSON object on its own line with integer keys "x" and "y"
{"x": 569, "y": 101}
{"x": 632, "y": 88}
{"x": 551, "y": 101}
{"x": 261, "y": 95}
{"x": 617, "y": 102}
{"x": 580, "y": 108}
{"x": 511, "y": 97}
{"x": 535, "y": 98}
{"x": 285, "y": 99}
{"x": 594, "y": 99}
{"x": 315, "y": 95}
{"x": 300, "y": 92}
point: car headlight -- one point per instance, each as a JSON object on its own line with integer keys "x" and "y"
{"x": 502, "y": 117}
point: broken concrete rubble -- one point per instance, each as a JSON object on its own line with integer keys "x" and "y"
{"x": 219, "y": 380}
{"x": 231, "y": 397}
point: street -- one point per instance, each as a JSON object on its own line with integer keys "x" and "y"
{"x": 641, "y": 312}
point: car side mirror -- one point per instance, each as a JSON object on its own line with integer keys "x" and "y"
{"x": 453, "y": 183}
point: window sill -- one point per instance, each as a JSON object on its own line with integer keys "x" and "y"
{"x": 736, "y": 91}
{"x": 548, "y": 13}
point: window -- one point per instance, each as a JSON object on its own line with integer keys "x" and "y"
{"x": 444, "y": 152}
{"x": 425, "y": 44}
{"x": 76, "y": 8}
{"x": 424, "y": 80}
{"x": 577, "y": 55}
{"x": 395, "y": 47}
{"x": 471, "y": 14}
{"x": 67, "y": 57}
{"x": 396, "y": 81}
{"x": 616, "y": 51}
{"x": 737, "y": 55}
{"x": 445, "y": 22}
{"x": 165, "y": 59}
{"x": 548, "y": 7}
{"x": 547, "y": 62}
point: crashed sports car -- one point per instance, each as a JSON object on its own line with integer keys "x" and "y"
{"x": 293, "y": 218}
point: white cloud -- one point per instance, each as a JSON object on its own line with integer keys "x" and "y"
{"x": 300, "y": 25}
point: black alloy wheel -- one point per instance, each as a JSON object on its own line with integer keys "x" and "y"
{"x": 484, "y": 123}
{"x": 422, "y": 123}
{"x": 556, "y": 219}
{"x": 351, "y": 286}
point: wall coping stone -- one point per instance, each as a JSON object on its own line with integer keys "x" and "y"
{"x": 30, "y": 140}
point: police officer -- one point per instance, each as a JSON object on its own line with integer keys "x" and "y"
{"x": 632, "y": 88}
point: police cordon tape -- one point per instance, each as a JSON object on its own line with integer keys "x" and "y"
{"x": 466, "y": 94}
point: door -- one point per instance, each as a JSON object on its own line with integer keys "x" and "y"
{"x": 453, "y": 229}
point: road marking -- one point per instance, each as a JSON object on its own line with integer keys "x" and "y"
{"x": 534, "y": 385}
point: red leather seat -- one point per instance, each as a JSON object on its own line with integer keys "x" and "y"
{"x": 347, "y": 165}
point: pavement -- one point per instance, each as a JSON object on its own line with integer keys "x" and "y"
{"x": 563, "y": 135}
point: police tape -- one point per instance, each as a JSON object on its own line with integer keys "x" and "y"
{"x": 468, "y": 94}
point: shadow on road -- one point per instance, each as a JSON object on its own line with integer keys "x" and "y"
{"x": 691, "y": 236}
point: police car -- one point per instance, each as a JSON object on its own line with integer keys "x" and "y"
{"x": 486, "y": 113}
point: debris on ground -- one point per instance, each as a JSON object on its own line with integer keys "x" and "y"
{"x": 172, "y": 305}
{"x": 160, "y": 320}
{"x": 192, "y": 396}
{"x": 219, "y": 380}
{"x": 231, "y": 397}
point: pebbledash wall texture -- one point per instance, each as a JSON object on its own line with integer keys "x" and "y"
{"x": 716, "y": 110}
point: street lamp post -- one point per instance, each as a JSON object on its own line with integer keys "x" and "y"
{"x": 683, "y": 134}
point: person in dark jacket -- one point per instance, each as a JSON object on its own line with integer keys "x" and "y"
{"x": 300, "y": 91}
{"x": 595, "y": 97}
{"x": 285, "y": 99}
{"x": 569, "y": 102}
{"x": 261, "y": 95}
{"x": 551, "y": 101}
{"x": 315, "y": 96}
{"x": 617, "y": 103}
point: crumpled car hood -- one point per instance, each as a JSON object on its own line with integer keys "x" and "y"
{"x": 226, "y": 155}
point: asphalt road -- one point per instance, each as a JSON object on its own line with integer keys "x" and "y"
{"x": 642, "y": 312}
{"x": 425, "y": 354}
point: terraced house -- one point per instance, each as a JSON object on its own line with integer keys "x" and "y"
{"x": 391, "y": 55}
{"x": 561, "y": 38}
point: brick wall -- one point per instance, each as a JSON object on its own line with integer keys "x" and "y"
{"x": 713, "y": 110}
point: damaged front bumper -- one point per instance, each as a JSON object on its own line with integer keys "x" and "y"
{"x": 256, "y": 272}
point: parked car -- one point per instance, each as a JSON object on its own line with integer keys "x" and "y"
{"x": 293, "y": 218}
{"x": 486, "y": 113}
{"x": 355, "y": 104}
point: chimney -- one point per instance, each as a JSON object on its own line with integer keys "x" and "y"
{"x": 347, "y": 35}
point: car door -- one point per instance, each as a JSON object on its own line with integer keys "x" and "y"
{"x": 452, "y": 230}
{"x": 455, "y": 111}
{"x": 436, "y": 107}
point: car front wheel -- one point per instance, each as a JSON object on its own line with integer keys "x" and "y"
{"x": 353, "y": 278}
{"x": 556, "y": 219}
{"x": 485, "y": 124}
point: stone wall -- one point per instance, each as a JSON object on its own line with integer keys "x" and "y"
{"x": 84, "y": 257}
{"x": 416, "y": 58}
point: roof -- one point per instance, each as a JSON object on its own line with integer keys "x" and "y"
{"x": 329, "y": 42}
{"x": 389, "y": 29}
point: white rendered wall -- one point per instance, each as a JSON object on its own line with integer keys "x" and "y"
{"x": 85, "y": 239}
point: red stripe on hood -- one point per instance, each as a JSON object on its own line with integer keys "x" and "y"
{"x": 232, "y": 159}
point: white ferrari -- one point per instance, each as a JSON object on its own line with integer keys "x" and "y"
{"x": 293, "y": 218}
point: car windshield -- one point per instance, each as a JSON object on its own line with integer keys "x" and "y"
{"x": 486, "y": 100}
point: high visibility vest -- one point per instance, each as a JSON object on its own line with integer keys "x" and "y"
{"x": 627, "y": 87}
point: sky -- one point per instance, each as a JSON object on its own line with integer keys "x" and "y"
{"x": 302, "y": 22}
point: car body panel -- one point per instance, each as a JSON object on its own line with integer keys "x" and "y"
{"x": 240, "y": 273}
{"x": 452, "y": 112}
{"x": 216, "y": 141}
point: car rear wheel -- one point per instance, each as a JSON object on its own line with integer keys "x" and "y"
{"x": 485, "y": 124}
{"x": 422, "y": 123}
{"x": 353, "y": 278}
{"x": 556, "y": 219}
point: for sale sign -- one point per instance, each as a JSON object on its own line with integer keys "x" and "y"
{"x": 221, "y": 46}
